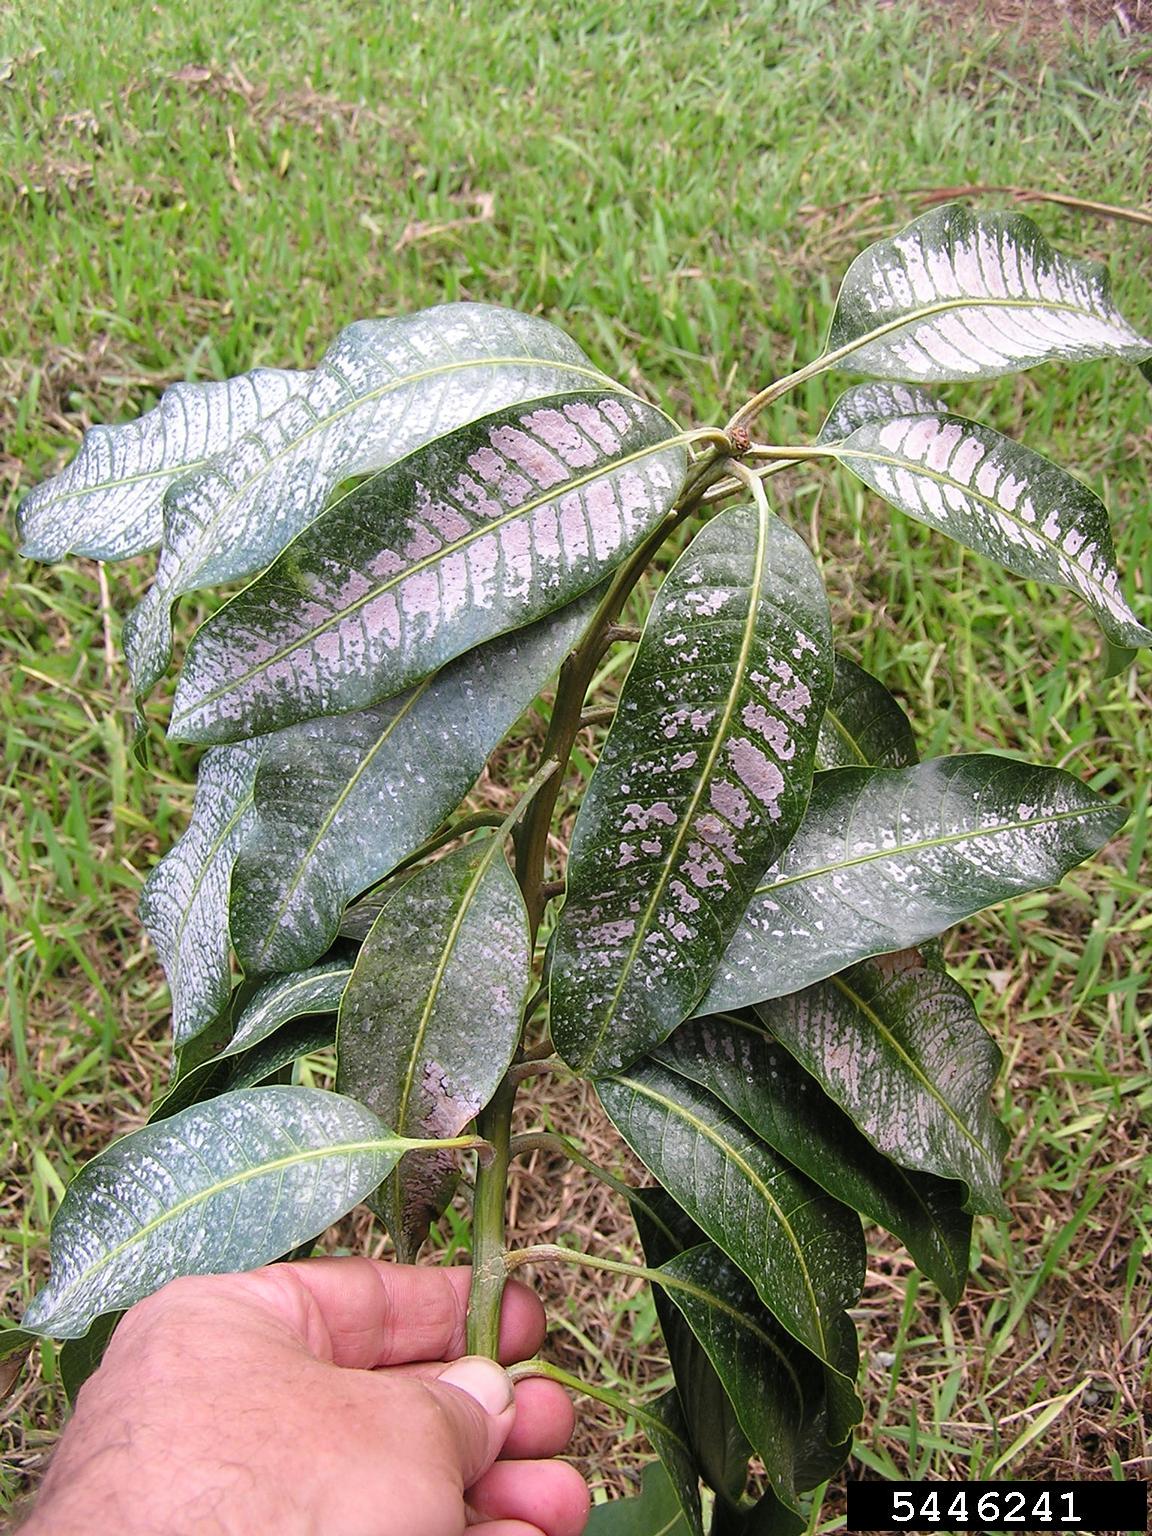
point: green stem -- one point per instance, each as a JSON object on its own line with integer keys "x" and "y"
{"x": 528, "y": 1368}
{"x": 489, "y": 1269}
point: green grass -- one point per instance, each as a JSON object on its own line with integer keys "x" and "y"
{"x": 680, "y": 186}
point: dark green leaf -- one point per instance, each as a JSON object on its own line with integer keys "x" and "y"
{"x": 79, "y": 1358}
{"x": 383, "y": 389}
{"x": 863, "y": 724}
{"x": 758, "y": 1080}
{"x": 184, "y": 903}
{"x": 341, "y": 801}
{"x": 1001, "y": 499}
{"x": 802, "y": 1250}
{"x": 663, "y": 1423}
{"x": 888, "y": 857}
{"x": 431, "y": 1017}
{"x": 899, "y": 1047}
{"x": 957, "y": 295}
{"x": 654, "y": 1511}
{"x": 701, "y": 782}
{"x": 107, "y": 504}
{"x": 767, "y": 1517}
{"x": 222, "y": 1186}
{"x": 478, "y": 533}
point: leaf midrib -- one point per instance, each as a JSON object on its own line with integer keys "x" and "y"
{"x": 942, "y": 841}
{"x": 239, "y": 1044}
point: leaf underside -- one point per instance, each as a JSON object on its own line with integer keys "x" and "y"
{"x": 863, "y": 726}
{"x": 701, "y": 781}
{"x": 886, "y": 858}
{"x": 478, "y": 533}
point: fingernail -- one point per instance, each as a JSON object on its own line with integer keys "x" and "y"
{"x": 483, "y": 1380}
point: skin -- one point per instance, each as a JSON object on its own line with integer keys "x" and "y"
{"x": 325, "y": 1398}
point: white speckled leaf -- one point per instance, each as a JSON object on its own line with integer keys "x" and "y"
{"x": 317, "y": 990}
{"x": 223, "y": 1186}
{"x": 247, "y": 1068}
{"x": 184, "y": 903}
{"x": 701, "y": 782}
{"x": 863, "y": 724}
{"x": 383, "y": 388}
{"x": 802, "y": 1250}
{"x": 888, "y": 857}
{"x": 957, "y": 295}
{"x": 1001, "y": 499}
{"x": 431, "y": 1016}
{"x": 341, "y": 800}
{"x": 476, "y": 534}
{"x": 897, "y": 1044}
{"x": 107, "y": 503}
{"x": 758, "y": 1080}
{"x": 876, "y": 401}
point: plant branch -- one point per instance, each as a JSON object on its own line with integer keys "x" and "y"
{"x": 489, "y": 1267}
{"x": 525, "y": 1369}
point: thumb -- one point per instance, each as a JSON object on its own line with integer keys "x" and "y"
{"x": 479, "y": 1404}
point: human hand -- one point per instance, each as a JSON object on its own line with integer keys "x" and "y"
{"x": 299, "y": 1399}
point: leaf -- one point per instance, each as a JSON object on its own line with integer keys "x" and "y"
{"x": 184, "y": 903}
{"x": 802, "y": 1251}
{"x": 957, "y": 295}
{"x": 107, "y": 504}
{"x": 663, "y": 1423}
{"x": 383, "y": 389}
{"x": 758, "y": 1080}
{"x": 865, "y": 403}
{"x": 767, "y": 1517}
{"x": 654, "y": 1511}
{"x": 1001, "y": 499}
{"x": 315, "y": 991}
{"x": 223, "y": 1186}
{"x": 719, "y": 1445}
{"x": 341, "y": 801}
{"x": 477, "y": 533}
{"x": 247, "y": 1068}
{"x": 899, "y": 1047}
{"x": 79, "y": 1358}
{"x": 431, "y": 1017}
{"x": 888, "y": 857}
{"x": 701, "y": 782}
{"x": 863, "y": 724}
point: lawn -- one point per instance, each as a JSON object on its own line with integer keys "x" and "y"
{"x": 188, "y": 193}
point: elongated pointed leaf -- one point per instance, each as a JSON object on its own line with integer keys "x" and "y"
{"x": 899, "y": 1047}
{"x": 654, "y": 1511}
{"x": 719, "y": 1445}
{"x": 863, "y": 724}
{"x": 663, "y": 1423}
{"x": 222, "y": 1186}
{"x": 108, "y": 502}
{"x": 759, "y": 1081}
{"x": 479, "y": 533}
{"x": 341, "y": 801}
{"x": 315, "y": 991}
{"x": 383, "y": 388}
{"x": 1001, "y": 499}
{"x": 431, "y": 1017}
{"x": 701, "y": 782}
{"x": 957, "y": 295}
{"x": 888, "y": 857}
{"x": 802, "y": 1250}
{"x": 184, "y": 903}
{"x": 79, "y": 1358}
{"x": 877, "y": 401}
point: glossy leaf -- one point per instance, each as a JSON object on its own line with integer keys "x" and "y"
{"x": 899, "y": 1047}
{"x": 719, "y": 1445}
{"x": 78, "y": 1358}
{"x": 184, "y": 903}
{"x": 701, "y": 782}
{"x": 957, "y": 295}
{"x": 314, "y": 991}
{"x": 802, "y": 1250}
{"x": 767, "y": 1517}
{"x": 758, "y": 1080}
{"x": 478, "y": 533}
{"x": 222, "y": 1186}
{"x": 107, "y": 503}
{"x": 663, "y": 1423}
{"x": 247, "y": 1068}
{"x": 341, "y": 801}
{"x": 888, "y": 857}
{"x": 654, "y": 1511}
{"x": 383, "y": 389}
{"x": 1001, "y": 499}
{"x": 431, "y": 1017}
{"x": 863, "y": 724}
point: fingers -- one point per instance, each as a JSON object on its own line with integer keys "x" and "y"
{"x": 478, "y": 1406}
{"x": 363, "y": 1313}
{"x": 545, "y": 1419}
{"x": 550, "y": 1495}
